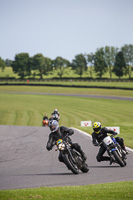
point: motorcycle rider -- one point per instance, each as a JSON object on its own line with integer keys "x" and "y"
{"x": 60, "y": 133}
{"x": 45, "y": 120}
{"x": 55, "y": 115}
{"x": 98, "y": 135}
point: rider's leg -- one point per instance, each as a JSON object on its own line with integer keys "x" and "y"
{"x": 100, "y": 156}
{"x": 78, "y": 148}
{"x": 121, "y": 142}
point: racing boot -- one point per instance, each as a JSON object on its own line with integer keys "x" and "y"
{"x": 111, "y": 160}
{"x": 125, "y": 150}
{"x": 84, "y": 157}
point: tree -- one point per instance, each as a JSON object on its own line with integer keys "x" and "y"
{"x": 42, "y": 64}
{"x": 21, "y": 65}
{"x": 2, "y": 64}
{"x": 8, "y": 62}
{"x": 119, "y": 65}
{"x": 90, "y": 59}
{"x": 109, "y": 57}
{"x": 127, "y": 51}
{"x": 60, "y": 65}
{"x": 100, "y": 66}
{"x": 79, "y": 64}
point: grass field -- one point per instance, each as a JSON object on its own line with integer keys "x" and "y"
{"x": 110, "y": 191}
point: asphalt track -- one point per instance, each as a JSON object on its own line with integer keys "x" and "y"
{"x": 75, "y": 95}
{"x": 25, "y": 162}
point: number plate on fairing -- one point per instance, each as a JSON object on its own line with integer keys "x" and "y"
{"x": 107, "y": 140}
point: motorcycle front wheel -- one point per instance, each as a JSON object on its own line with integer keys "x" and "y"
{"x": 69, "y": 163}
{"x": 118, "y": 159}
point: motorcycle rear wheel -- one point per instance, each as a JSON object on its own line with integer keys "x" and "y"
{"x": 85, "y": 168}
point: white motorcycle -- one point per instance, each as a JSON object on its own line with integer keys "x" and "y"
{"x": 114, "y": 150}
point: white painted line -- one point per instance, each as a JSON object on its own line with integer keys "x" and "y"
{"x": 87, "y": 134}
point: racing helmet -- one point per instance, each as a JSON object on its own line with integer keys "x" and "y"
{"x": 55, "y": 110}
{"x": 97, "y": 127}
{"x": 53, "y": 125}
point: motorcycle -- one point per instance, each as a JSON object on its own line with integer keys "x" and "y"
{"x": 55, "y": 117}
{"x": 114, "y": 150}
{"x": 71, "y": 158}
{"x": 45, "y": 121}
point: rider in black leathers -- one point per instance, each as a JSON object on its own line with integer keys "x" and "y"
{"x": 98, "y": 135}
{"x": 60, "y": 133}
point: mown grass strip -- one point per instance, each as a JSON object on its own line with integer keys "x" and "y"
{"x": 69, "y": 83}
{"x": 110, "y": 191}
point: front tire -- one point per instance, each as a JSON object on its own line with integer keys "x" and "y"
{"x": 69, "y": 163}
{"x": 118, "y": 159}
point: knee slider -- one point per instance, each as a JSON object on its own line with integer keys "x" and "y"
{"x": 98, "y": 158}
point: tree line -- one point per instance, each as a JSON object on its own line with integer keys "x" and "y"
{"x": 112, "y": 59}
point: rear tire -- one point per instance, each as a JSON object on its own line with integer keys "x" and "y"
{"x": 118, "y": 159}
{"x": 85, "y": 168}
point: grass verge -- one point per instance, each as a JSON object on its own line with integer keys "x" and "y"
{"x": 110, "y": 191}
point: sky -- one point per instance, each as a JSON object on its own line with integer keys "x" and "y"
{"x": 63, "y": 28}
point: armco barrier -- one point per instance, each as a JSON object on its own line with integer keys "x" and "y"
{"x": 61, "y": 85}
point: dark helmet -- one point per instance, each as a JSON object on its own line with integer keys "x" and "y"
{"x": 53, "y": 125}
{"x": 97, "y": 127}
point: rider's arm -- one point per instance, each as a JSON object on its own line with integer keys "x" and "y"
{"x": 66, "y": 130}
{"x": 50, "y": 143}
{"x": 110, "y": 131}
{"x": 70, "y": 131}
{"x": 94, "y": 140}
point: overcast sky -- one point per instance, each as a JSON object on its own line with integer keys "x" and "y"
{"x": 63, "y": 27}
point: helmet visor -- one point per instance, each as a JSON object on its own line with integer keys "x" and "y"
{"x": 97, "y": 130}
{"x": 52, "y": 128}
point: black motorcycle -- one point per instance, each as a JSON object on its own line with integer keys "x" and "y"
{"x": 72, "y": 158}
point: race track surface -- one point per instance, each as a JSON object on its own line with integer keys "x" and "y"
{"x": 75, "y": 95}
{"x": 25, "y": 162}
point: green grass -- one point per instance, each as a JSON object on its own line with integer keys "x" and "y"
{"x": 110, "y": 191}
{"x": 72, "y": 83}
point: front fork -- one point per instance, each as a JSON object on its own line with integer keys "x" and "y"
{"x": 119, "y": 151}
